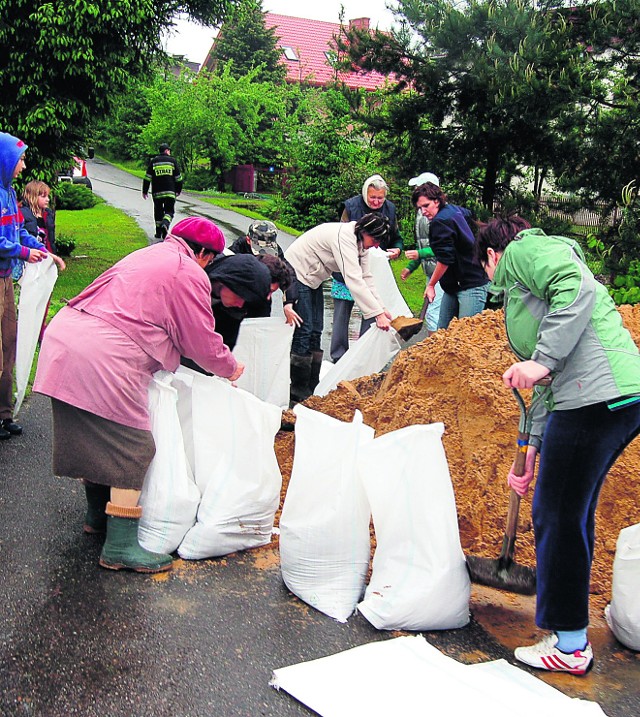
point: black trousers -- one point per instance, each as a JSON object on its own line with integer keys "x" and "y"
{"x": 578, "y": 449}
{"x": 163, "y": 211}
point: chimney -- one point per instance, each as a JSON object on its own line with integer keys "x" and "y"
{"x": 361, "y": 23}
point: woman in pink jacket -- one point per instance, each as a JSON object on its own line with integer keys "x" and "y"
{"x": 97, "y": 358}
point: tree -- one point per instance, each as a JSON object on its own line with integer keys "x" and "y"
{"x": 330, "y": 159}
{"x": 118, "y": 133}
{"x": 219, "y": 118}
{"x": 245, "y": 43}
{"x": 484, "y": 87}
{"x": 604, "y": 157}
{"x": 63, "y": 62}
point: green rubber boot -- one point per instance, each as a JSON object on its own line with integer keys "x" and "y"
{"x": 121, "y": 550}
{"x": 95, "y": 519}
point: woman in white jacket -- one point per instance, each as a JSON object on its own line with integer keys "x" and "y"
{"x": 314, "y": 256}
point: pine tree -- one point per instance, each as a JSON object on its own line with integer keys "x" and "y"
{"x": 245, "y": 42}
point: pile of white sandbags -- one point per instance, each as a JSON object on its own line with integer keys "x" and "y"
{"x": 341, "y": 477}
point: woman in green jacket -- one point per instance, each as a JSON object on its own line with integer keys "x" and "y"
{"x": 562, "y": 323}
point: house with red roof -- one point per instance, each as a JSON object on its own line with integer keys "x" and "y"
{"x": 310, "y": 54}
{"x": 309, "y": 51}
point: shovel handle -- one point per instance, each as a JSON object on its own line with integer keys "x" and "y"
{"x": 509, "y": 542}
{"x": 423, "y": 310}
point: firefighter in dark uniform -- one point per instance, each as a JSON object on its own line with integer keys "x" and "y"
{"x": 163, "y": 174}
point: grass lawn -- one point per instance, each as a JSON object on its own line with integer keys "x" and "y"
{"x": 103, "y": 235}
{"x": 413, "y": 288}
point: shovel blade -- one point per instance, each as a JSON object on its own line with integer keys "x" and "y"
{"x": 511, "y": 577}
{"x": 406, "y": 327}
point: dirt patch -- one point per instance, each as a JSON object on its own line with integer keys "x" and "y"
{"x": 454, "y": 377}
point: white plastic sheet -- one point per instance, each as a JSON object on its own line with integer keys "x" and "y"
{"x": 169, "y": 496}
{"x": 264, "y": 347}
{"x": 386, "y": 283}
{"x": 235, "y": 468}
{"x": 369, "y": 354}
{"x": 623, "y": 614}
{"x": 407, "y": 676}
{"x": 36, "y": 284}
{"x": 419, "y": 579}
{"x": 324, "y": 526}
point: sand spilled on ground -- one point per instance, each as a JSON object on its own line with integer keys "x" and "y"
{"x": 454, "y": 377}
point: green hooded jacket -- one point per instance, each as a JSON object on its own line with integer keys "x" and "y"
{"x": 558, "y": 315}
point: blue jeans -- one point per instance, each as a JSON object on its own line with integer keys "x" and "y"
{"x": 467, "y": 302}
{"x": 578, "y": 449}
{"x": 310, "y": 307}
{"x": 433, "y": 312}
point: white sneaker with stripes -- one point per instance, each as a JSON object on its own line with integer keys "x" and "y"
{"x": 545, "y": 656}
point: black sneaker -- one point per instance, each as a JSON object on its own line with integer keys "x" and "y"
{"x": 10, "y": 427}
{"x": 4, "y": 435}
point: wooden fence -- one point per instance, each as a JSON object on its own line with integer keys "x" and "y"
{"x": 584, "y": 220}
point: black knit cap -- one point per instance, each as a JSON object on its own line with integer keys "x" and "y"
{"x": 378, "y": 227}
{"x": 245, "y": 275}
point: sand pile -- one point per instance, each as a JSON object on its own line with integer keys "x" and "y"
{"x": 455, "y": 377}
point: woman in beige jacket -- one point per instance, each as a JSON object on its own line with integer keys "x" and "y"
{"x": 314, "y": 256}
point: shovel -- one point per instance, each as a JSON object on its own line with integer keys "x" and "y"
{"x": 406, "y": 327}
{"x": 504, "y": 573}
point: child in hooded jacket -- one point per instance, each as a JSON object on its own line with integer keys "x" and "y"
{"x": 15, "y": 244}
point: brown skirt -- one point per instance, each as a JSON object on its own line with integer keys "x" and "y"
{"x": 101, "y": 451}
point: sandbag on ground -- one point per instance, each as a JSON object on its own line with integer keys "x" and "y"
{"x": 324, "y": 526}
{"x": 264, "y": 347}
{"x": 235, "y": 468}
{"x": 623, "y": 614}
{"x": 419, "y": 579}
{"x": 369, "y": 354}
{"x": 169, "y": 497}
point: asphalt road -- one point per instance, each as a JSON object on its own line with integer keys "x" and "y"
{"x": 202, "y": 640}
{"x": 124, "y": 191}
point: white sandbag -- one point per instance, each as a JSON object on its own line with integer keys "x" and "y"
{"x": 182, "y": 382}
{"x": 264, "y": 347}
{"x": 36, "y": 284}
{"x": 169, "y": 497}
{"x": 386, "y": 285}
{"x": 408, "y": 677}
{"x": 369, "y": 354}
{"x": 623, "y": 614}
{"x": 235, "y": 468}
{"x": 419, "y": 579}
{"x": 324, "y": 526}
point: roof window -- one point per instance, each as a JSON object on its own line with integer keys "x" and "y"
{"x": 290, "y": 53}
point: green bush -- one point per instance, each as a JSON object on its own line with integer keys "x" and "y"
{"x": 199, "y": 179}
{"x": 626, "y": 287}
{"x": 65, "y": 245}
{"x": 74, "y": 196}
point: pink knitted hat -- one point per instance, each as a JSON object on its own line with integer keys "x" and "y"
{"x": 200, "y": 231}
